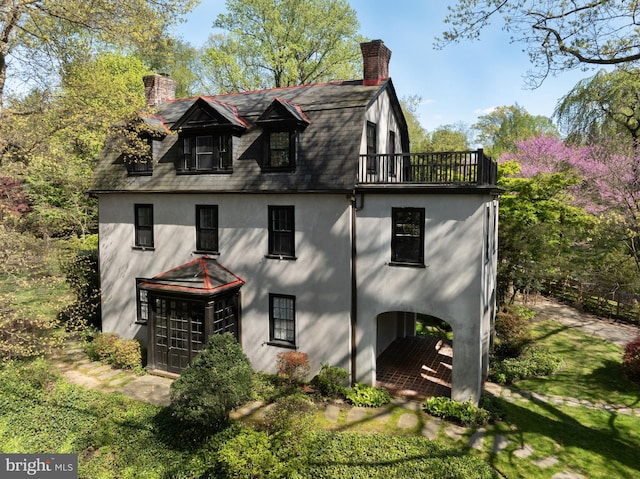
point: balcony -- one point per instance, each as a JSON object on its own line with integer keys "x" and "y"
{"x": 456, "y": 169}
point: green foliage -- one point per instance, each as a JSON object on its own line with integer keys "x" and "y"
{"x": 293, "y": 367}
{"x": 534, "y": 362}
{"x": 631, "y": 359}
{"x": 512, "y": 326}
{"x": 601, "y": 106}
{"x": 367, "y": 396}
{"x": 540, "y": 232}
{"x": 378, "y": 456}
{"x": 499, "y": 130}
{"x": 248, "y": 456}
{"x": 449, "y": 138}
{"x": 23, "y": 332}
{"x": 278, "y": 43}
{"x": 121, "y": 353}
{"x": 290, "y": 413}
{"x": 218, "y": 379}
{"x": 466, "y": 413}
{"x": 331, "y": 380}
{"x": 81, "y": 272}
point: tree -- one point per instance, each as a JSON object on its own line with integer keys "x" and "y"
{"x": 606, "y": 188}
{"x": 180, "y": 60}
{"x": 51, "y": 142}
{"x": 499, "y": 130}
{"x": 559, "y": 35}
{"x": 541, "y": 229}
{"x": 602, "y": 105}
{"x": 278, "y": 43}
{"x": 418, "y": 136}
{"x": 449, "y": 138}
{"x": 38, "y": 35}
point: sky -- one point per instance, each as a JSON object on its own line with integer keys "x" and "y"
{"x": 456, "y": 84}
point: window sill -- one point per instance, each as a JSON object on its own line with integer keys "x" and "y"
{"x": 143, "y": 248}
{"x": 407, "y": 265}
{"x": 282, "y": 344}
{"x": 204, "y": 251}
{"x": 283, "y": 257}
{"x": 205, "y": 172}
{"x": 140, "y": 173}
{"x": 141, "y": 323}
{"x": 287, "y": 169}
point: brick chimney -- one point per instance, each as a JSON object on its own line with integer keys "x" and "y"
{"x": 158, "y": 88}
{"x": 375, "y": 56}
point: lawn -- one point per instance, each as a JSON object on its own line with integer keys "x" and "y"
{"x": 593, "y": 442}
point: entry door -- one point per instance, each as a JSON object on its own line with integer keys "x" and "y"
{"x": 178, "y": 332}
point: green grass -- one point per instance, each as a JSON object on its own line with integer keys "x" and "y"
{"x": 592, "y": 367}
{"x": 592, "y": 442}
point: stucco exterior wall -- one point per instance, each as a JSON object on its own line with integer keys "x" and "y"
{"x": 449, "y": 287}
{"x": 319, "y": 278}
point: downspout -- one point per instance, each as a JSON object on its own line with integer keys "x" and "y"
{"x": 354, "y": 284}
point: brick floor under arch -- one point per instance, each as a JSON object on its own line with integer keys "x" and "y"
{"x": 416, "y": 367}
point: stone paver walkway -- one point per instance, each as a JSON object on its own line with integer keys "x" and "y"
{"x": 77, "y": 368}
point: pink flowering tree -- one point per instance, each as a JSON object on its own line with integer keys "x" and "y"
{"x": 543, "y": 226}
{"x": 584, "y": 202}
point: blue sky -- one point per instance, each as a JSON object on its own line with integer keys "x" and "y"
{"x": 456, "y": 84}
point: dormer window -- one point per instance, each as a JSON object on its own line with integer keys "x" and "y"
{"x": 206, "y": 153}
{"x": 206, "y": 131}
{"x": 281, "y": 122}
{"x": 281, "y": 149}
{"x": 141, "y": 163}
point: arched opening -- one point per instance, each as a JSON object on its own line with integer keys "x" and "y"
{"x": 414, "y": 354}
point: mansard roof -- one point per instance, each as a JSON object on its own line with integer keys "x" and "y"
{"x": 329, "y": 118}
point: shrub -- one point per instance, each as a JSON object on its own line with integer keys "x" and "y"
{"x": 109, "y": 348}
{"x": 81, "y": 273}
{"x": 330, "y": 381}
{"x": 367, "y": 396}
{"x": 293, "y": 367}
{"x": 102, "y": 347}
{"x": 289, "y": 413}
{"x": 248, "y": 455}
{"x": 127, "y": 354}
{"x": 217, "y": 380}
{"x": 466, "y": 413}
{"x": 512, "y": 331}
{"x": 532, "y": 363}
{"x": 631, "y": 359}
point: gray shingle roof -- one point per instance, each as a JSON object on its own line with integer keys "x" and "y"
{"x": 327, "y": 151}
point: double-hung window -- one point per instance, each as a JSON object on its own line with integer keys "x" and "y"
{"x": 282, "y": 319}
{"x": 281, "y": 147}
{"x": 206, "y": 153}
{"x": 392, "y": 153}
{"x": 281, "y": 232}
{"x": 143, "y": 226}
{"x": 372, "y": 148}
{"x": 207, "y": 228}
{"x": 407, "y": 236}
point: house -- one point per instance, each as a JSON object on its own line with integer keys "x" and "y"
{"x": 295, "y": 218}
